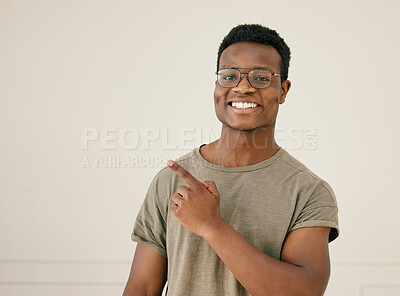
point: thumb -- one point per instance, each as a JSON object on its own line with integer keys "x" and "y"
{"x": 211, "y": 187}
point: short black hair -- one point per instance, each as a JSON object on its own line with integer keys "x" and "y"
{"x": 259, "y": 34}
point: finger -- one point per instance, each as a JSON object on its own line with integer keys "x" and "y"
{"x": 182, "y": 190}
{"x": 177, "y": 199}
{"x": 211, "y": 187}
{"x": 175, "y": 209}
{"x": 182, "y": 173}
{"x": 203, "y": 182}
{"x": 206, "y": 184}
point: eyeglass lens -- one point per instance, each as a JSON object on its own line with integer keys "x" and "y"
{"x": 258, "y": 78}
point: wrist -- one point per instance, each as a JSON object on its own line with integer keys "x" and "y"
{"x": 214, "y": 229}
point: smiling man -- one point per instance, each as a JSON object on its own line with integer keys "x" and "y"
{"x": 240, "y": 215}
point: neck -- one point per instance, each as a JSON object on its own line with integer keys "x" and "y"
{"x": 236, "y": 148}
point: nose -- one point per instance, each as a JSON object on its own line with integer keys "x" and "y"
{"x": 244, "y": 85}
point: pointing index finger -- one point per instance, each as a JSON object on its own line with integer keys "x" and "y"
{"x": 182, "y": 173}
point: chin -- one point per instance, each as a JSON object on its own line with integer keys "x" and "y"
{"x": 242, "y": 128}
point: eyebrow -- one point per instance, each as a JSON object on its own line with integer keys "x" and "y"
{"x": 262, "y": 68}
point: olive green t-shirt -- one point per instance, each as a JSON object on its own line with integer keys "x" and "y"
{"x": 264, "y": 202}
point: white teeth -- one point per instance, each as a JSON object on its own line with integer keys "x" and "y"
{"x": 241, "y": 105}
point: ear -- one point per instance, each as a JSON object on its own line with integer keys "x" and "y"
{"x": 285, "y": 86}
{"x": 216, "y": 82}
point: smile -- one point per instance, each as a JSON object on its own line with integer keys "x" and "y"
{"x": 243, "y": 107}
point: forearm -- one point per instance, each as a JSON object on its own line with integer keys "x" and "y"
{"x": 258, "y": 273}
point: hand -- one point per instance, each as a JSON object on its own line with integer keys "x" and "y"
{"x": 197, "y": 206}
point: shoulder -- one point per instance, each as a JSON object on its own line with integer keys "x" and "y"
{"x": 316, "y": 203}
{"x": 297, "y": 166}
{"x": 299, "y": 170}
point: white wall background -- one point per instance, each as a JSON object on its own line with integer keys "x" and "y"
{"x": 69, "y": 66}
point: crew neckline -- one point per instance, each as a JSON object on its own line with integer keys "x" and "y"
{"x": 251, "y": 167}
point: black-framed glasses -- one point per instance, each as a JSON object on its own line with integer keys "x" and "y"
{"x": 257, "y": 77}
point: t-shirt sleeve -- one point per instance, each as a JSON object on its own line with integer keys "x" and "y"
{"x": 150, "y": 224}
{"x": 320, "y": 210}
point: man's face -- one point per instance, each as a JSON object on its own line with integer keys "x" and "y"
{"x": 250, "y": 55}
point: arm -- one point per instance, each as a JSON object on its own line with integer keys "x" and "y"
{"x": 304, "y": 269}
{"x": 148, "y": 273}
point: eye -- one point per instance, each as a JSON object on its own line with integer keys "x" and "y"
{"x": 229, "y": 77}
{"x": 261, "y": 78}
